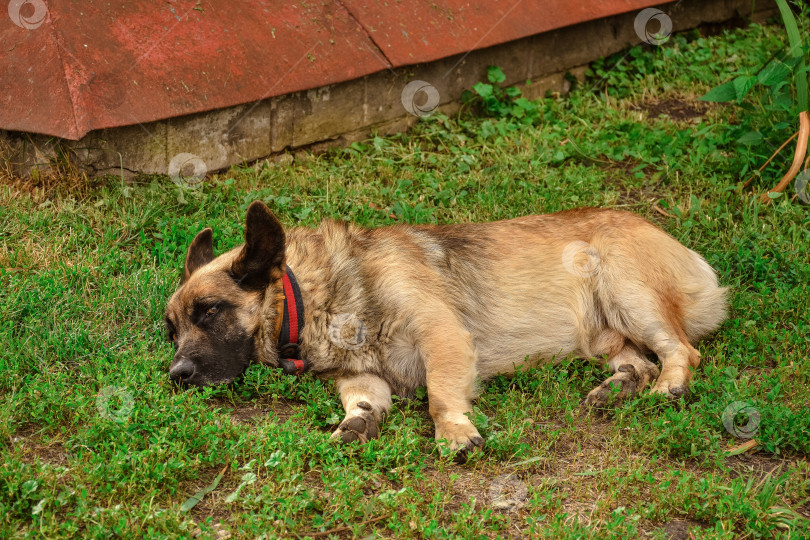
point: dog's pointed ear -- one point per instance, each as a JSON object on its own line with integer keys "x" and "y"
{"x": 200, "y": 252}
{"x": 262, "y": 257}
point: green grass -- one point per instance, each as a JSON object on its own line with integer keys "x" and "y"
{"x": 95, "y": 442}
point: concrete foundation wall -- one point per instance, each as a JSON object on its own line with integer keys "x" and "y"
{"x": 343, "y": 113}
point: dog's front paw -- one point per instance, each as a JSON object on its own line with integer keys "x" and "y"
{"x": 459, "y": 436}
{"x": 359, "y": 426}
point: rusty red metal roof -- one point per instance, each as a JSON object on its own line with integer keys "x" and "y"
{"x": 72, "y": 67}
{"x": 415, "y": 31}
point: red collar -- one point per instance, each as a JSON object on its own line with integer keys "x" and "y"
{"x": 289, "y": 348}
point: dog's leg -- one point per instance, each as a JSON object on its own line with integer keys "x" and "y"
{"x": 366, "y": 399}
{"x": 649, "y": 313}
{"x": 450, "y": 363}
{"x": 678, "y": 359}
{"x": 632, "y": 372}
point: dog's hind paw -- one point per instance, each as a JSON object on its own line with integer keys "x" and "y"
{"x": 674, "y": 390}
{"x": 362, "y": 427}
{"x": 627, "y": 381}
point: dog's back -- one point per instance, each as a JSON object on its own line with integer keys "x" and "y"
{"x": 580, "y": 282}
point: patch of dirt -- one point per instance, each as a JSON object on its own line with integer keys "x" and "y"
{"x": 572, "y": 468}
{"x": 254, "y": 412}
{"x": 501, "y": 489}
{"x": 36, "y": 446}
{"x": 678, "y": 110}
{"x": 758, "y": 465}
{"x": 678, "y": 529}
{"x": 643, "y": 198}
{"x": 212, "y": 505}
{"x": 616, "y": 178}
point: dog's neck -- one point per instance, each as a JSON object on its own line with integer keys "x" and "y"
{"x": 278, "y": 325}
{"x": 289, "y": 325}
{"x": 321, "y": 262}
{"x": 282, "y": 320}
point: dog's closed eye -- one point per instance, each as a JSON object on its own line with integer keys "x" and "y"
{"x": 171, "y": 332}
{"x": 207, "y": 311}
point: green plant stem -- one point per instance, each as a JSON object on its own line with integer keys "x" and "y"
{"x": 795, "y": 40}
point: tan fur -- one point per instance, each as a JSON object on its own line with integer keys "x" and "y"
{"x": 444, "y": 305}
